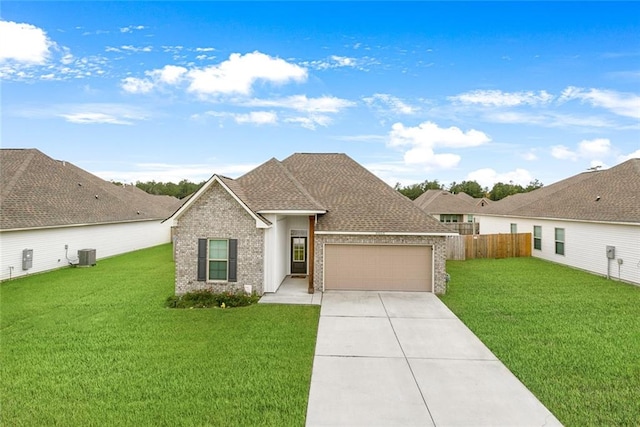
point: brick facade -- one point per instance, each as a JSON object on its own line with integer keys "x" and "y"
{"x": 217, "y": 215}
{"x": 438, "y": 243}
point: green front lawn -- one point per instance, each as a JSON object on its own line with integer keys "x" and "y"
{"x": 571, "y": 337}
{"x": 96, "y": 346}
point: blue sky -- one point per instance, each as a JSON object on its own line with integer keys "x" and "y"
{"x": 420, "y": 90}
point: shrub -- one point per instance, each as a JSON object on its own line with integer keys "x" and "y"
{"x": 209, "y": 299}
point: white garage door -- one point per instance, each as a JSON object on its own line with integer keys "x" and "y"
{"x": 378, "y": 267}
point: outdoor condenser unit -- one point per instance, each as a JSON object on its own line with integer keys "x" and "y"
{"x": 86, "y": 257}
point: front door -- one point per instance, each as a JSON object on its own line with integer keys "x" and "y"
{"x": 298, "y": 255}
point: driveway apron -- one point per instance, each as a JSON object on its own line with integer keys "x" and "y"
{"x": 404, "y": 359}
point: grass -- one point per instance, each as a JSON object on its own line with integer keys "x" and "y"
{"x": 96, "y": 346}
{"x": 571, "y": 337}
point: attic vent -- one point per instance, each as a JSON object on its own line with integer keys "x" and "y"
{"x": 86, "y": 257}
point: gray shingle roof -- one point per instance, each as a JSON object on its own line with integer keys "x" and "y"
{"x": 611, "y": 195}
{"x": 354, "y": 198}
{"x": 271, "y": 186}
{"x": 38, "y": 191}
{"x": 444, "y": 202}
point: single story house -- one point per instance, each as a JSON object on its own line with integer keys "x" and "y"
{"x": 322, "y": 216}
{"x": 50, "y": 209}
{"x": 456, "y": 210}
{"x": 589, "y": 221}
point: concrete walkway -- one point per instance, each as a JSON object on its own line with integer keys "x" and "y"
{"x": 404, "y": 359}
{"x": 292, "y": 290}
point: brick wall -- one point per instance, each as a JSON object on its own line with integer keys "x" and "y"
{"x": 438, "y": 243}
{"x": 216, "y": 214}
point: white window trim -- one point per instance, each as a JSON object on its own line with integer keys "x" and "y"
{"x": 209, "y": 259}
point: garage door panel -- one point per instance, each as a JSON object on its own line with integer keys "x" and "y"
{"x": 378, "y": 267}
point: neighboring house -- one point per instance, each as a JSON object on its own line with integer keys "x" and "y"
{"x": 54, "y": 209}
{"x": 456, "y": 210}
{"x": 574, "y": 221}
{"x": 323, "y": 216}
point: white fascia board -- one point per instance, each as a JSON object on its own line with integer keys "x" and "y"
{"x": 259, "y": 222}
{"x": 590, "y": 221}
{"x": 293, "y": 212}
{"x": 381, "y": 233}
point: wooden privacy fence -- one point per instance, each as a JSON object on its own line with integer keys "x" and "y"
{"x": 489, "y": 246}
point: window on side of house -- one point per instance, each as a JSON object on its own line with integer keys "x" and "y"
{"x": 448, "y": 218}
{"x": 537, "y": 237}
{"x": 469, "y": 218}
{"x": 218, "y": 257}
{"x": 514, "y": 228}
{"x": 559, "y": 241}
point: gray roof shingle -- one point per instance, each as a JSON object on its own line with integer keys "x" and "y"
{"x": 610, "y": 195}
{"x": 38, "y": 191}
{"x": 354, "y": 198}
{"x": 444, "y": 202}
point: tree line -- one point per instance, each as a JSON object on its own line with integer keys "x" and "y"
{"x": 500, "y": 190}
{"x": 179, "y": 190}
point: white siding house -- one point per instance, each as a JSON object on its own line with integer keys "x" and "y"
{"x": 48, "y": 244}
{"x": 575, "y": 221}
{"x": 585, "y": 243}
{"x": 52, "y": 209}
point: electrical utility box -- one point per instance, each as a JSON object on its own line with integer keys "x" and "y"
{"x": 27, "y": 259}
{"x": 86, "y": 257}
{"x": 611, "y": 252}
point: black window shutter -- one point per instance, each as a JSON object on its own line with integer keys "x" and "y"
{"x": 202, "y": 260}
{"x": 233, "y": 260}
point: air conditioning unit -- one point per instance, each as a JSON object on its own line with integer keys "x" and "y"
{"x": 86, "y": 257}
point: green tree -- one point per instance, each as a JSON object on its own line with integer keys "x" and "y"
{"x": 414, "y": 191}
{"x": 533, "y": 185}
{"x": 501, "y": 190}
{"x": 472, "y": 188}
{"x": 180, "y": 190}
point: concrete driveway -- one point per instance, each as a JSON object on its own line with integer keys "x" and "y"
{"x": 404, "y": 359}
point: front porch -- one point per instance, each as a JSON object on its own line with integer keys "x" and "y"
{"x": 293, "y": 290}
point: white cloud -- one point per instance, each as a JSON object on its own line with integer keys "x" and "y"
{"x": 239, "y": 73}
{"x": 334, "y": 61}
{"x": 383, "y": 101}
{"x": 23, "y": 43}
{"x": 343, "y": 61}
{"x": 205, "y": 49}
{"x": 562, "y": 152}
{"x": 136, "y": 49}
{"x": 136, "y": 85}
{"x": 257, "y": 118}
{"x": 595, "y": 147}
{"x": 497, "y": 98}
{"x": 323, "y": 104}
{"x": 424, "y": 138}
{"x": 254, "y": 117}
{"x": 131, "y": 28}
{"x": 169, "y": 74}
{"x": 620, "y": 103}
{"x": 633, "y": 155}
{"x": 586, "y": 149}
{"x": 90, "y": 113}
{"x": 310, "y": 122}
{"x": 530, "y": 155}
{"x": 94, "y": 118}
{"x": 487, "y": 177}
{"x": 429, "y": 134}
